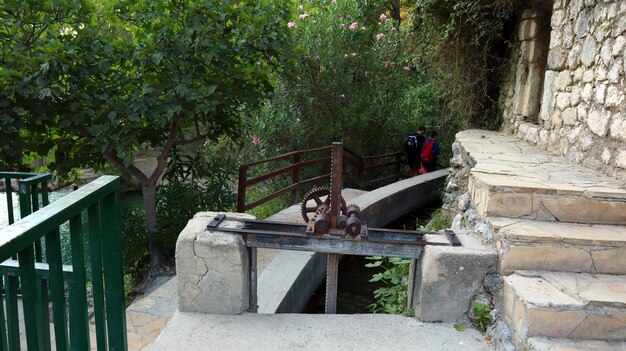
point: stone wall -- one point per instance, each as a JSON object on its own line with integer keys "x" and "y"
{"x": 581, "y": 112}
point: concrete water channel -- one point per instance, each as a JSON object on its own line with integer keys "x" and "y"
{"x": 287, "y": 279}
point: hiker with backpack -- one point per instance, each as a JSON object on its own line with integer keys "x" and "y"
{"x": 429, "y": 154}
{"x": 412, "y": 148}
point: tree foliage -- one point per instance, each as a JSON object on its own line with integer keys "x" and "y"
{"x": 353, "y": 82}
{"x": 466, "y": 41}
{"x": 101, "y": 80}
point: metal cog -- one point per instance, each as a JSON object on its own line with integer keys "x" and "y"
{"x": 316, "y": 194}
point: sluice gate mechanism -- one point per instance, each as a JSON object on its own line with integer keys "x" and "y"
{"x": 330, "y": 227}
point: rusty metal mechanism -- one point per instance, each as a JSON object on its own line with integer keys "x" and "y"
{"x": 330, "y": 227}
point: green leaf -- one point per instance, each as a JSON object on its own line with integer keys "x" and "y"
{"x": 459, "y": 326}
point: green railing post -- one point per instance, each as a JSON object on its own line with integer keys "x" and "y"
{"x": 13, "y": 323}
{"x": 32, "y": 314}
{"x": 3, "y": 329}
{"x": 79, "y": 323}
{"x": 24, "y": 197}
{"x": 113, "y": 273}
{"x": 57, "y": 288}
{"x": 95, "y": 239}
{"x": 9, "y": 191}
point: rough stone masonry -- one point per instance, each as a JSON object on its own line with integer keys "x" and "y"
{"x": 576, "y": 106}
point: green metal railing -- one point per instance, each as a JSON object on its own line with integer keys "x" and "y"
{"x": 44, "y": 284}
{"x": 30, "y": 186}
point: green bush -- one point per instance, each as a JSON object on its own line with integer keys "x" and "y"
{"x": 353, "y": 82}
{"x": 482, "y": 315}
{"x": 135, "y": 240}
{"x": 391, "y": 298}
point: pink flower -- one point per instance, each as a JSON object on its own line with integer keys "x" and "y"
{"x": 353, "y": 26}
{"x": 393, "y": 29}
{"x": 345, "y": 55}
{"x": 300, "y": 7}
{"x": 343, "y": 96}
{"x": 303, "y": 16}
{"x": 383, "y": 16}
{"x": 378, "y": 36}
{"x": 353, "y": 54}
{"x": 407, "y": 68}
{"x": 334, "y": 1}
{"x": 256, "y": 140}
{"x": 291, "y": 24}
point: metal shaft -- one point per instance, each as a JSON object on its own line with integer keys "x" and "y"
{"x": 332, "y": 262}
{"x": 336, "y": 183}
{"x": 253, "y": 303}
{"x": 332, "y": 272}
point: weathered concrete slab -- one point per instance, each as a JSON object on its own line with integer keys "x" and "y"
{"x": 289, "y": 281}
{"x": 450, "y": 276}
{"x": 386, "y": 204}
{"x": 565, "y": 305}
{"x": 193, "y": 331}
{"x": 212, "y": 267}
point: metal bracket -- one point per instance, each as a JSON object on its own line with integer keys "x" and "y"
{"x": 452, "y": 238}
{"x": 216, "y": 221}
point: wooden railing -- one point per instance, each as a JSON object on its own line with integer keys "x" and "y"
{"x": 94, "y": 242}
{"x": 357, "y": 170}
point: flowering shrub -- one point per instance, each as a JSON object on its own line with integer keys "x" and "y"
{"x": 352, "y": 82}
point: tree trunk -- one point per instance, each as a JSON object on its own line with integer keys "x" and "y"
{"x": 395, "y": 11}
{"x": 148, "y": 190}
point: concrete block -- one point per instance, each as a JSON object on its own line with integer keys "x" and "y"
{"x": 212, "y": 267}
{"x": 509, "y": 205}
{"x": 555, "y": 258}
{"x": 600, "y": 326}
{"x": 579, "y": 209}
{"x": 450, "y": 276}
{"x": 610, "y": 261}
{"x": 553, "y": 323}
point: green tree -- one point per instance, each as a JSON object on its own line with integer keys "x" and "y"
{"x": 105, "y": 79}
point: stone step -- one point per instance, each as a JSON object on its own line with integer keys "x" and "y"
{"x": 511, "y": 178}
{"x": 531, "y": 245}
{"x": 546, "y": 344}
{"x": 565, "y": 305}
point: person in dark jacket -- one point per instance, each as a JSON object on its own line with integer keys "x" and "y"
{"x": 412, "y": 148}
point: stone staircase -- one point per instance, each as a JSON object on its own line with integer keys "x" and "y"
{"x": 560, "y": 232}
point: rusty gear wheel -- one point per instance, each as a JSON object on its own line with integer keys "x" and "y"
{"x": 316, "y": 195}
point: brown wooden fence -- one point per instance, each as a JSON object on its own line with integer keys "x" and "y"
{"x": 362, "y": 172}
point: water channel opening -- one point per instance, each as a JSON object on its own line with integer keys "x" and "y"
{"x": 355, "y": 293}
